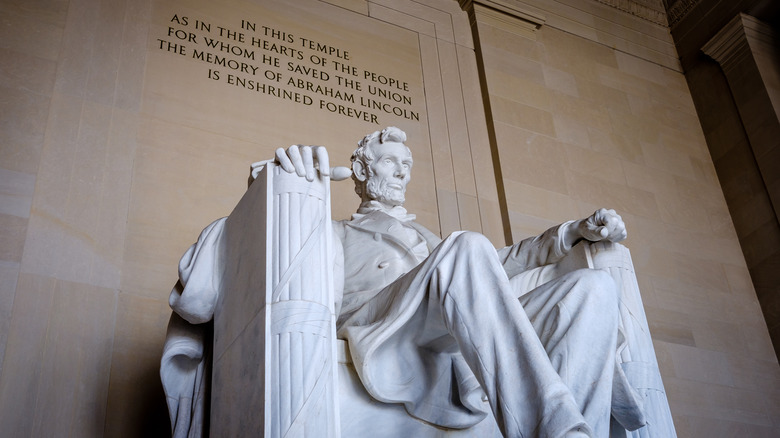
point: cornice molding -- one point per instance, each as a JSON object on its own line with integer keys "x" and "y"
{"x": 732, "y": 44}
{"x": 677, "y": 10}
{"x": 649, "y": 10}
{"x": 503, "y": 15}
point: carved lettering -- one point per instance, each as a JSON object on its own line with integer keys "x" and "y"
{"x": 278, "y": 34}
{"x": 179, "y": 20}
{"x": 235, "y": 56}
{"x": 230, "y": 34}
{"x": 278, "y": 48}
{"x": 182, "y": 35}
{"x": 389, "y": 109}
{"x": 384, "y": 80}
{"x": 348, "y": 111}
{"x": 223, "y": 61}
{"x": 229, "y": 48}
{"x": 324, "y": 48}
{"x": 320, "y": 89}
{"x": 172, "y": 47}
{"x": 389, "y": 94}
{"x": 307, "y": 71}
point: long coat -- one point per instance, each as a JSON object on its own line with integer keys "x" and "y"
{"x": 385, "y": 325}
{"x": 377, "y": 249}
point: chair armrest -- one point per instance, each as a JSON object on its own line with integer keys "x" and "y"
{"x": 635, "y": 356}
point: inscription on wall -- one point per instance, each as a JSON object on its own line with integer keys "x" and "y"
{"x": 277, "y": 64}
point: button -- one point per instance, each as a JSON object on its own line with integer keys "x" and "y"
{"x": 377, "y": 236}
{"x": 383, "y": 265}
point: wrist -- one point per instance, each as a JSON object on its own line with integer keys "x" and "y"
{"x": 572, "y": 234}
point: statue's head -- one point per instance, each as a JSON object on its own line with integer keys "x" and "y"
{"x": 381, "y": 167}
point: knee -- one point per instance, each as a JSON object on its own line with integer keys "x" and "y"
{"x": 597, "y": 288}
{"x": 469, "y": 242}
{"x": 595, "y": 279}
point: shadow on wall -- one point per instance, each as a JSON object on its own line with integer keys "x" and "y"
{"x": 143, "y": 412}
{"x": 151, "y": 413}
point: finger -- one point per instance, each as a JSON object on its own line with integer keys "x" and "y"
{"x": 340, "y": 173}
{"x": 598, "y": 218}
{"x": 619, "y": 238}
{"x": 611, "y": 222}
{"x": 284, "y": 160}
{"x": 297, "y": 161}
{"x": 322, "y": 160}
{"x": 603, "y": 232}
{"x": 619, "y": 232}
{"x": 308, "y": 162}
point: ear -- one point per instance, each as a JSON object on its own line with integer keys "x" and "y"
{"x": 359, "y": 170}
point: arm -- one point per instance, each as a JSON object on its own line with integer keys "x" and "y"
{"x": 194, "y": 297}
{"x": 544, "y": 249}
{"x": 553, "y": 244}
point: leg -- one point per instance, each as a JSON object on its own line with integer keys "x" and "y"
{"x": 576, "y": 318}
{"x": 469, "y": 287}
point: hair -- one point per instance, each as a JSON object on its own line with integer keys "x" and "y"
{"x": 365, "y": 155}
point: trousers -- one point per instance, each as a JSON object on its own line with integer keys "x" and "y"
{"x": 545, "y": 360}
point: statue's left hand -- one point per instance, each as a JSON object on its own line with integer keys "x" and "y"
{"x": 603, "y": 224}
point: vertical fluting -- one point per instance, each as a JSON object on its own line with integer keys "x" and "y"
{"x": 284, "y": 246}
{"x": 304, "y": 398}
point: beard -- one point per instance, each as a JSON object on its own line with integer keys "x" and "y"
{"x": 378, "y": 190}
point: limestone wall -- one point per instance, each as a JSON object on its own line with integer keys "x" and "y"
{"x": 119, "y": 143}
{"x": 580, "y": 125}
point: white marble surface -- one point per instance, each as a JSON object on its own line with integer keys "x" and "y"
{"x": 436, "y": 327}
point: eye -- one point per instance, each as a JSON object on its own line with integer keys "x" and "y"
{"x": 388, "y": 161}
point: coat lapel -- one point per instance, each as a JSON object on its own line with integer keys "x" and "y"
{"x": 378, "y": 222}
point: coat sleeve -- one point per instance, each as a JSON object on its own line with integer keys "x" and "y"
{"x": 184, "y": 368}
{"x": 185, "y": 360}
{"x": 194, "y": 297}
{"x": 544, "y": 249}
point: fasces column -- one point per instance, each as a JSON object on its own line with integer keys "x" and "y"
{"x": 274, "y": 328}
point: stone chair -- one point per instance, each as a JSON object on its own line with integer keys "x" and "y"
{"x": 278, "y": 368}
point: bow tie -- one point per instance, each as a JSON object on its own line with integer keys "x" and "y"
{"x": 397, "y": 212}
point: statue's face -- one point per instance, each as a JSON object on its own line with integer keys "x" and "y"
{"x": 390, "y": 173}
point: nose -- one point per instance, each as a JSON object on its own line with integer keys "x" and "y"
{"x": 400, "y": 171}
